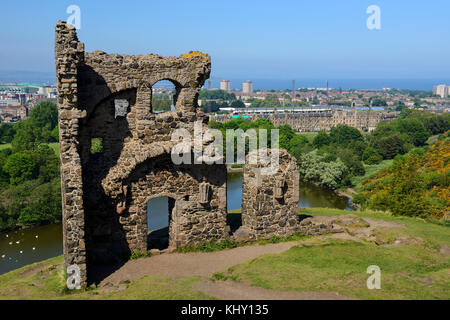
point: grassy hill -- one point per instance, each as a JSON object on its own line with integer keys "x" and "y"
{"x": 417, "y": 270}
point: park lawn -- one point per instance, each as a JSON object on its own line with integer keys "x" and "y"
{"x": 53, "y": 145}
{"x": 408, "y": 272}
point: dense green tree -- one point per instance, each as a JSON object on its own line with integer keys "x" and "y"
{"x": 352, "y": 161}
{"x": 7, "y": 132}
{"x": 20, "y": 167}
{"x": 39, "y": 128}
{"x": 437, "y": 124}
{"x": 357, "y": 147}
{"x": 298, "y": 140}
{"x": 321, "y": 139}
{"x": 237, "y": 104}
{"x": 45, "y": 114}
{"x": 390, "y": 146}
{"x": 343, "y": 135}
{"x": 414, "y": 129}
{"x": 285, "y": 136}
{"x": 371, "y": 156}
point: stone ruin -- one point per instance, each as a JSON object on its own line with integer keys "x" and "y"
{"x": 108, "y": 97}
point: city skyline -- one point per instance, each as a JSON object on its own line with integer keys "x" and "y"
{"x": 287, "y": 40}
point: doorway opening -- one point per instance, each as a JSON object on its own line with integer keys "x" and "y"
{"x": 159, "y": 216}
{"x": 234, "y": 200}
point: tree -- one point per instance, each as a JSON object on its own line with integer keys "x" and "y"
{"x": 39, "y": 128}
{"x": 371, "y": 156}
{"x": 45, "y": 113}
{"x": 238, "y": 104}
{"x": 20, "y": 167}
{"x": 313, "y": 168}
{"x": 286, "y": 135}
{"x": 391, "y": 146}
{"x": 7, "y": 132}
{"x": 321, "y": 139}
{"x": 351, "y": 160}
{"x": 414, "y": 129}
{"x": 343, "y": 135}
{"x": 298, "y": 140}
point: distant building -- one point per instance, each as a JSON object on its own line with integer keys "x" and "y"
{"x": 313, "y": 119}
{"x": 441, "y": 90}
{"x": 247, "y": 87}
{"x": 225, "y": 85}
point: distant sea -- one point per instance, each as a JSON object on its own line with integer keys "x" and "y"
{"x": 262, "y": 84}
{"x": 345, "y": 84}
{"x": 35, "y": 77}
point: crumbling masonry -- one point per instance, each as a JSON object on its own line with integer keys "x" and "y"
{"x": 108, "y": 97}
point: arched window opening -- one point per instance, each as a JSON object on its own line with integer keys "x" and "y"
{"x": 159, "y": 216}
{"x": 163, "y": 96}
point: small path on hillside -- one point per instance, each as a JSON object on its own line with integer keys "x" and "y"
{"x": 203, "y": 264}
{"x": 231, "y": 290}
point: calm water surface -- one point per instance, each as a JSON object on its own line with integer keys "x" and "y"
{"x": 311, "y": 196}
{"x": 22, "y": 247}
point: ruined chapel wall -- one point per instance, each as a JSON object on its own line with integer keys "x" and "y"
{"x": 192, "y": 221}
{"x": 69, "y": 53}
{"x": 270, "y": 202}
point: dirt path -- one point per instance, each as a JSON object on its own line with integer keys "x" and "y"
{"x": 205, "y": 265}
{"x": 230, "y": 290}
{"x": 191, "y": 264}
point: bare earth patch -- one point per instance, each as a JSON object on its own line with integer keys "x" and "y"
{"x": 191, "y": 264}
{"x": 33, "y": 270}
{"x": 232, "y": 290}
{"x": 445, "y": 250}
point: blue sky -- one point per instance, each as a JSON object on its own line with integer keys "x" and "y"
{"x": 246, "y": 39}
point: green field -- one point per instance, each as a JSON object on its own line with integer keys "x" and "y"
{"x": 53, "y": 145}
{"x": 413, "y": 271}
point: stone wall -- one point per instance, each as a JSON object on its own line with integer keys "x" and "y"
{"x": 105, "y": 194}
{"x": 270, "y": 201}
{"x": 108, "y": 97}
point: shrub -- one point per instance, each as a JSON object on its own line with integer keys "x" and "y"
{"x": 371, "y": 156}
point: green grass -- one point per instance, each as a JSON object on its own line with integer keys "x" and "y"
{"x": 53, "y": 145}
{"x": 5, "y": 146}
{"x": 49, "y": 284}
{"x": 370, "y": 171}
{"x": 416, "y": 271}
{"x": 409, "y": 272}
